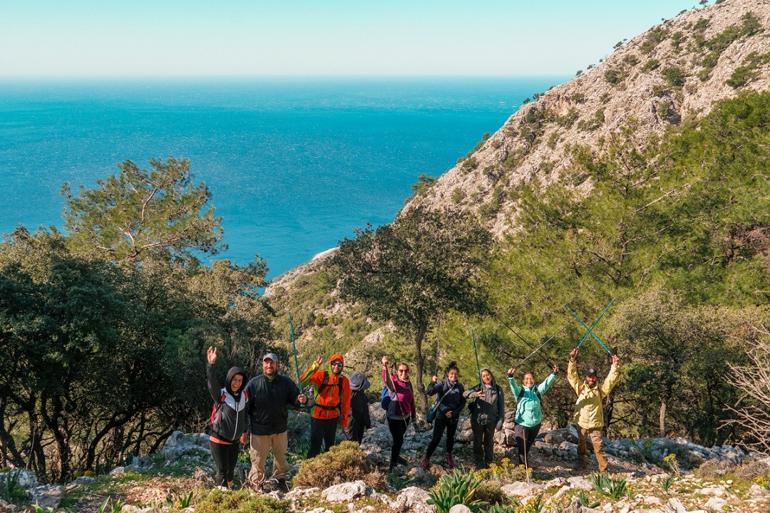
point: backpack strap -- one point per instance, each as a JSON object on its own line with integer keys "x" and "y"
{"x": 537, "y": 393}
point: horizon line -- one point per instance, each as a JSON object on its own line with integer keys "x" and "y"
{"x": 283, "y": 76}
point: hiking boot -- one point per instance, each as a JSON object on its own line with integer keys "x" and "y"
{"x": 282, "y": 486}
{"x": 425, "y": 463}
{"x": 450, "y": 461}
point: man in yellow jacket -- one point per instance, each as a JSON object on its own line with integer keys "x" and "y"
{"x": 589, "y": 410}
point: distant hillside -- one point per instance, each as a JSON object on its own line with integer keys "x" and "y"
{"x": 674, "y": 71}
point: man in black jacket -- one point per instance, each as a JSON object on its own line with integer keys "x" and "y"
{"x": 270, "y": 395}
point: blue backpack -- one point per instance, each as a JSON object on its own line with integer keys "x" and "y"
{"x": 385, "y": 398}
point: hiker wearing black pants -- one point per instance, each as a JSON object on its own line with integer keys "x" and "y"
{"x": 398, "y": 399}
{"x": 529, "y": 412}
{"x": 449, "y": 404}
{"x": 360, "y": 419}
{"x": 228, "y": 419}
{"x": 487, "y": 409}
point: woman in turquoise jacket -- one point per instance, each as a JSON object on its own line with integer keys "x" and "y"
{"x": 529, "y": 413}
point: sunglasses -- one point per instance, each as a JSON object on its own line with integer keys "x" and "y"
{"x": 337, "y": 364}
{"x": 403, "y": 370}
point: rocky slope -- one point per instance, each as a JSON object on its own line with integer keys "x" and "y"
{"x": 674, "y": 71}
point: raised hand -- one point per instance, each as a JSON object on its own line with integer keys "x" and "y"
{"x": 318, "y": 361}
{"x": 555, "y": 369}
{"x": 573, "y": 354}
{"x": 301, "y": 398}
{"x": 211, "y": 355}
{"x": 615, "y": 359}
{"x": 511, "y": 372}
{"x": 385, "y": 361}
{"x": 434, "y": 379}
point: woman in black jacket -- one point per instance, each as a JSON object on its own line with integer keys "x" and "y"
{"x": 487, "y": 413}
{"x": 228, "y": 419}
{"x": 450, "y": 402}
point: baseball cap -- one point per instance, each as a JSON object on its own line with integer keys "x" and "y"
{"x": 591, "y": 372}
{"x": 270, "y": 356}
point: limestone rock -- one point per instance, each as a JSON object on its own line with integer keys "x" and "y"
{"x": 344, "y": 492}
{"x": 715, "y": 504}
{"x": 412, "y": 500}
{"x": 47, "y": 496}
{"x": 460, "y": 508}
{"x": 521, "y": 489}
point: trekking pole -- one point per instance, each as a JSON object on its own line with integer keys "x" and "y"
{"x": 294, "y": 347}
{"x": 593, "y": 325}
{"x": 526, "y": 342}
{"x": 292, "y": 337}
{"x": 476, "y": 352}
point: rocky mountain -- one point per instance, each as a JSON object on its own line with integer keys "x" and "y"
{"x": 672, "y": 73}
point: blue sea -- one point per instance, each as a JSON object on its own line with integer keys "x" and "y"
{"x": 294, "y": 165}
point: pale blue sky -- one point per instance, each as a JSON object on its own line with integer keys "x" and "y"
{"x": 316, "y": 37}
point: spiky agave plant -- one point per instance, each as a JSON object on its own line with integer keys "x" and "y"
{"x": 456, "y": 488}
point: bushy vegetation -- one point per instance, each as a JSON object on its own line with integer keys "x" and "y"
{"x": 242, "y": 501}
{"x": 96, "y": 321}
{"x": 343, "y": 462}
{"x": 676, "y": 230}
{"x": 748, "y": 71}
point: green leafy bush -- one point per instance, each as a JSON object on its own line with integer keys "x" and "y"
{"x": 242, "y": 501}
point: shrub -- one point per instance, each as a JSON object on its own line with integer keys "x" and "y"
{"x": 674, "y": 76}
{"x": 651, "y": 65}
{"x": 503, "y": 471}
{"x": 456, "y": 488}
{"x": 491, "y": 493}
{"x": 747, "y": 72}
{"x": 469, "y": 164}
{"x": 753, "y": 470}
{"x": 241, "y": 501}
{"x": 613, "y": 76}
{"x": 341, "y": 463}
{"x": 713, "y": 469}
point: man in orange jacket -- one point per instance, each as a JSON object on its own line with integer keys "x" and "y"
{"x": 332, "y": 402}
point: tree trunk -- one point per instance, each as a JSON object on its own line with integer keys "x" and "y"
{"x": 662, "y": 418}
{"x": 419, "y": 364}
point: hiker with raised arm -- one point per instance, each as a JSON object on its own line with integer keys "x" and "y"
{"x": 270, "y": 396}
{"x": 228, "y": 419}
{"x": 589, "y": 407}
{"x": 449, "y": 403}
{"x": 529, "y": 410}
{"x": 487, "y": 407}
{"x": 398, "y": 401}
{"x": 331, "y": 391}
{"x": 360, "y": 419}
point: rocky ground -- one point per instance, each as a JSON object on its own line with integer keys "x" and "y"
{"x": 661, "y": 476}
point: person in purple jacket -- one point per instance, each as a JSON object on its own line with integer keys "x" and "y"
{"x": 401, "y": 409}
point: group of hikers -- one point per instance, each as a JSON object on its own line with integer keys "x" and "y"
{"x": 256, "y": 412}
